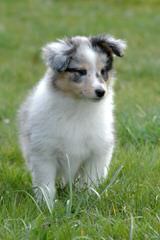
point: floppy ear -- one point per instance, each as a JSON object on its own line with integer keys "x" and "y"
{"x": 57, "y": 55}
{"x": 109, "y": 44}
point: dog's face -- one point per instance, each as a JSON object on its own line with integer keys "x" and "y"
{"x": 83, "y": 66}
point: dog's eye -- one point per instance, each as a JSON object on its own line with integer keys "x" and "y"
{"x": 107, "y": 68}
{"x": 104, "y": 73}
{"x": 81, "y": 72}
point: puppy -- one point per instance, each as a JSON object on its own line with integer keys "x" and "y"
{"x": 66, "y": 122}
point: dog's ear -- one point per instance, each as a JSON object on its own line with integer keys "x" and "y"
{"x": 57, "y": 55}
{"x": 109, "y": 44}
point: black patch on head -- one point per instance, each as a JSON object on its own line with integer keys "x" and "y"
{"x": 107, "y": 45}
{"x": 101, "y": 43}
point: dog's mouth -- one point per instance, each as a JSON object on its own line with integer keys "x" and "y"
{"x": 97, "y": 99}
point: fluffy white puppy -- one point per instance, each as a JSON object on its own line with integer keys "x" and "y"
{"x": 66, "y": 123}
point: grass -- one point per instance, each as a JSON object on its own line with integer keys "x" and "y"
{"x": 127, "y": 204}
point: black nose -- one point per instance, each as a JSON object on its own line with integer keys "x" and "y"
{"x": 99, "y": 92}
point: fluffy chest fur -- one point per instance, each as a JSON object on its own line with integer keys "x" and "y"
{"x": 75, "y": 127}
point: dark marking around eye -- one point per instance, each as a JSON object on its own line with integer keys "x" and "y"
{"x": 76, "y": 78}
{"x": 104, "y": 73}
{"x": 81, "y": 72}
{"x": 109, "y": 64}
{"x": 77, "y": 74}
{"x": 107, "y": 68}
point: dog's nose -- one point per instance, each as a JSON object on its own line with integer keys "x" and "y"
{"x": 100, "y": 92}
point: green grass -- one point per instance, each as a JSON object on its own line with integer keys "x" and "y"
{"x": 127, "y": 204}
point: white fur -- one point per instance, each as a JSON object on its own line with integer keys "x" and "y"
{"x": 55, "y": 128}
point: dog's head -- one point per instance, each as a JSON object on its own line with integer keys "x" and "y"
{"x": 82, "y": 65}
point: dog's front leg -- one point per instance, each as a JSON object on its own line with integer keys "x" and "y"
{"x": 43, "y": 170}
{"x": 95, "y": 169}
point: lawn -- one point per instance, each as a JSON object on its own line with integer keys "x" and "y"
{"x": 127, "y": 204}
